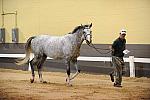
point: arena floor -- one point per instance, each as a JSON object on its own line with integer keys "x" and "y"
{"x": 14, "y": 85}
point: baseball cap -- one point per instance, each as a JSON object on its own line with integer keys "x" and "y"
{"x": 123, "y": 31}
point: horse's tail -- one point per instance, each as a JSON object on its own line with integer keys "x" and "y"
{"x": 27, "y": 52}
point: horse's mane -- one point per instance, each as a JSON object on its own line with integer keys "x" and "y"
{"x": 76, "y": 28}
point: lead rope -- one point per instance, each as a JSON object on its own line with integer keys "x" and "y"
{"x": 92, "y": 46}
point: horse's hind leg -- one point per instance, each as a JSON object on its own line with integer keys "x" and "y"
{"x": 39, "y": 67}
{"x": 32, "y": 63}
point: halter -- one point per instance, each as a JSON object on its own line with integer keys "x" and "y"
{"x": 86, "y": 34}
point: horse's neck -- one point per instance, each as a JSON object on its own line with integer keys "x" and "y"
{"x": 75, "y": 40}
{"x": 79, "y": 40}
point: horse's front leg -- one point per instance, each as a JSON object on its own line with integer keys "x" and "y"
{"x": 77, "y": 69}
{"x": 68, "y": 72}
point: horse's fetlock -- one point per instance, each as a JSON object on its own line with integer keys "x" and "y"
{"x": 31, "y": 80}
{"x": 68, "y": 72}
{"x": 79, "y": 71}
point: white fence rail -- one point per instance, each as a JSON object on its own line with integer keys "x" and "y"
{"x": 131, "y": 60}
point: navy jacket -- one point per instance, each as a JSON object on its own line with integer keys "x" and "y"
{"x": 118, "y": 46}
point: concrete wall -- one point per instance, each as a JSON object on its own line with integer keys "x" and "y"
{"x": 58, "y": 17}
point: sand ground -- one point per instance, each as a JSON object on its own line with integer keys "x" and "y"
{"x": 15, "y": 85}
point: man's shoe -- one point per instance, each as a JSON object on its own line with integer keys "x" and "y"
{"x": 111, "y": 77}
{"x": 117, "y": 85}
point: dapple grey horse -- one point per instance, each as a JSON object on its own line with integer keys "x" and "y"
{"x": 65, "y": 47}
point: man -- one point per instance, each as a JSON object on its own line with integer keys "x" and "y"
{"x": 117, "y": 48}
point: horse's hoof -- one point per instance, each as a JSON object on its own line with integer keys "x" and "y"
{"x": 44, "y": 81}
{"x": 31, "y": 80}
{"x": 69, "y": 85}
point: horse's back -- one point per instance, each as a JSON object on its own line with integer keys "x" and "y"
{"x": 49, "y": 45}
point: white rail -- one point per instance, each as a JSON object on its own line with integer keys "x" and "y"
{"x": 131, "y": 60}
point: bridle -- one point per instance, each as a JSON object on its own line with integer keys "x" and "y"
{"x": 86, "y": 34}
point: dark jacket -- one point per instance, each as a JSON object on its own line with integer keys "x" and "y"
{"x": 118, "y": 46}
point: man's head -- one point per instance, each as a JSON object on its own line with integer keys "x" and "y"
{"x": 123, "y": 33}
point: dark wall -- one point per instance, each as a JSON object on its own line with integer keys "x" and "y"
{"x": 137, "y": 50}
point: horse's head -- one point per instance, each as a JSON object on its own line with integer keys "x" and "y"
{"x": 87, "y": 33}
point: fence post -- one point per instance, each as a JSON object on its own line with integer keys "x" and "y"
{"x": 132, "y": 66}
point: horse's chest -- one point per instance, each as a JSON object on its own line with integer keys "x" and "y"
{"x": 76, "y": 52}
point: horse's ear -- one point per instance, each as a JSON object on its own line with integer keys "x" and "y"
{"x": 90, "y": 25}
{"x": 82, "y": 26}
